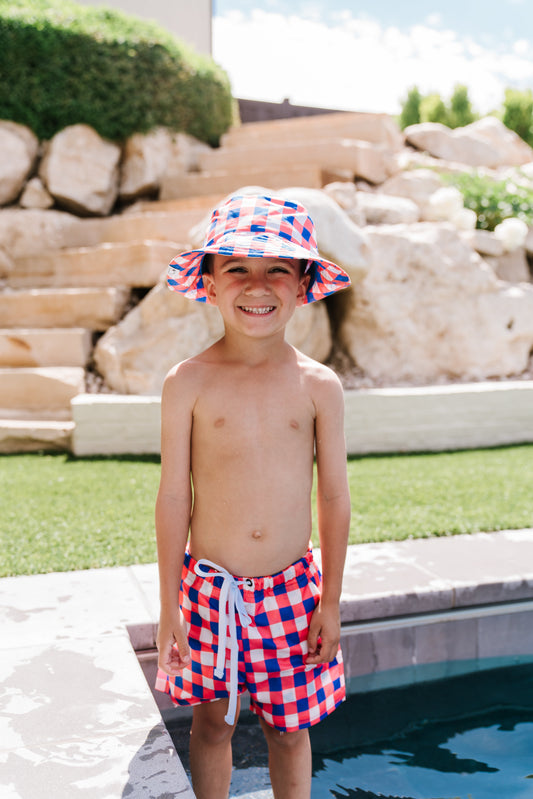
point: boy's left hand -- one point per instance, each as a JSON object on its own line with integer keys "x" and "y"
{"x": 324, "y": 635}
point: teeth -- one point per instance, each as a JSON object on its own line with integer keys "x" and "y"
{"x": 259, "y": 311}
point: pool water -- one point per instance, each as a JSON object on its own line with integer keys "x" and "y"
{"x": 467, "y": 737}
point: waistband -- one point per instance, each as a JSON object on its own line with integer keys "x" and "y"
{"x": 257, "y": 583}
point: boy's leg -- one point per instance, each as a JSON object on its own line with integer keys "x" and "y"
{"x": 210, "y": 750}
{"x": 289, "y": 760}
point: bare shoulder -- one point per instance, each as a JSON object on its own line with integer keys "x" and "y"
{"x": 187, "y": 378}
{"x": 322, "y": 383}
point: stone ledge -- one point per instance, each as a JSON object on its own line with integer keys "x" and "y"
{"x": 27, "y": 347}
{"x": 112, "y": 424}
{"x": 43, "y": 390}
{"x": 381, "y": 420}
{"x": 33, "y": 436}
{"x": 90, "y": 308}
{"x": 435, "y": 418}
{"x": 131, "y": 264}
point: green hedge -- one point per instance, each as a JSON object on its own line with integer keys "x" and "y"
{"x": 62, "y": 63}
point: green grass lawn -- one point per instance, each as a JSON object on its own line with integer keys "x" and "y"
{"x": 60, "y": 513}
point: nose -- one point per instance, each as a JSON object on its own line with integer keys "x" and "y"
{"x": 257, "y": 286}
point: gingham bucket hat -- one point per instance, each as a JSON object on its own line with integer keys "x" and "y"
{"x": 258, "y": 226}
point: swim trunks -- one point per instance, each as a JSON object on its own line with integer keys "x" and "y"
{"x": 262, "y": 622}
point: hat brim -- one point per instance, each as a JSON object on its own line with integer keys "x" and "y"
{"x": 185, "y": 270}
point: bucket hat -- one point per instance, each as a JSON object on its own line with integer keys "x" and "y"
{"x": 258, "y": 226}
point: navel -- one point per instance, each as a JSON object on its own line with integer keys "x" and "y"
{"x": 220, "y": 422}
{"x": 257, "y": 534}
{"x": 294, "y": 424}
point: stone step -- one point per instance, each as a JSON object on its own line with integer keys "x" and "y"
{"x": 136, "y": 263}
{"x": 202, "y": 202}
{"x": 375, "y": 128}
{"x": 171, "y": 226}
{"x": 40, "y": 393}
{"x": 23, "y": 347}
{"x": 362, "y": 159}
{"x": 91, "y": 308}
{"x": 35, "y": 435}
{"x": 225, "y": 181}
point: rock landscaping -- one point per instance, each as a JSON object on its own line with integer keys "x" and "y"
{"x": 87, "y": 228}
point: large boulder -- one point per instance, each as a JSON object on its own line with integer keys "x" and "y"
{"x": 431, "y": 309}
{"x": 31, "y": 231}
{"x": 486, "y": 142}
{"x": 150, "y": 157}
{"x": 135, "y": 355}
{"x": 417, "y": 185}
{"x": 18, "y": 151}
{"x": 80, "y": 170}
{"x": 512, "y": 149}
{"x": 372, "y": 207}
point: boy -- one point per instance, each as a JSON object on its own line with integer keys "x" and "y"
{"x": 241, "y": 423}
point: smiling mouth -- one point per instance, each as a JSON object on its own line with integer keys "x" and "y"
{"x": 262, "y": 311}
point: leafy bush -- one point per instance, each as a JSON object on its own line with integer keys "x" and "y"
{"x": 518, "y": 113}
{"x": 432, "y": 108}
{"x": 460, "y": 112}
{"x": 410, "y": 113}
{"x": 62, "y": 63}
{"x": 495, "y": 200}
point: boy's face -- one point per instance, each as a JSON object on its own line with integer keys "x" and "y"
{"x": 259, "y": 293}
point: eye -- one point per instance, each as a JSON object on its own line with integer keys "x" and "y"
{"x": 281, "y": 268}
{"x": 238, "y": 269}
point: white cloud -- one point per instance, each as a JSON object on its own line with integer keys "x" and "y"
{"x": 355, "y": 63}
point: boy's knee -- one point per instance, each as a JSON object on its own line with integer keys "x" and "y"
{"x": 211, "y": 728}
{"x": 286, "y": 740}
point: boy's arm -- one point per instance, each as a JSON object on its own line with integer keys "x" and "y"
{"x": 333, "y": 508}
{"x": 172, "y": 515}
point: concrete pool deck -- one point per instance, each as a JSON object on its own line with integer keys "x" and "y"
{"x": 80, "y": 721}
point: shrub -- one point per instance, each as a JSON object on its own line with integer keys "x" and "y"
{"x": 410, "y": 114}
{"x": 494, "y": 200}
{"x": 460, "y": 111}
{"x": 433, "y": 109}
{"x": 62, "y": 63}
{"x": 518, "y": 113}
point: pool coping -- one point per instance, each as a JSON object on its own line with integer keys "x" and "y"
{"x": 79, "y": 716}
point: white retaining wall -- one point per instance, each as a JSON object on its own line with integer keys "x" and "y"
{"x": 377, "y": 420}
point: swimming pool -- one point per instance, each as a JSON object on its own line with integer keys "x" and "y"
{"x": 464, "y": 737}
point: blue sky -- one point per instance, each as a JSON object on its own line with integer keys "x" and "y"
{"x": 365, "y": 55}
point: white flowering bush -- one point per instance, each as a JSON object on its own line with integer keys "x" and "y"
{"x": 447, "y": 205}
{"x": 512, "y": 233}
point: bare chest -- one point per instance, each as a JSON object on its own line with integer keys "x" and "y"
{"x": 238, "y": 419}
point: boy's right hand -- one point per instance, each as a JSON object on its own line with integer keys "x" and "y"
{"x": 172, "y": 643}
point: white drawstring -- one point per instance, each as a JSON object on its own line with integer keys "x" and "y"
{"x": 231, "y": 600}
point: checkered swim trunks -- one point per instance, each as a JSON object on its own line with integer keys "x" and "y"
{"x": 263, "y": 623}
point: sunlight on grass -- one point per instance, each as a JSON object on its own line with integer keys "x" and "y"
{"x": 60, "y": 513}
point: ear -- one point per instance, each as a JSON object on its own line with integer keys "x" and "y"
{"x": 303, "y": 285}
{"x": 210, "y": 289}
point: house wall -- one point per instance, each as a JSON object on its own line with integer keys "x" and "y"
{"x": 189, "y": 20}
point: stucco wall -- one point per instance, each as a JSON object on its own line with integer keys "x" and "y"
{"x": 189, "y": 20}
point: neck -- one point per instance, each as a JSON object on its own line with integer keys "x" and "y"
{"x": 253, "y": 351}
